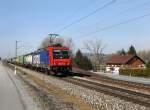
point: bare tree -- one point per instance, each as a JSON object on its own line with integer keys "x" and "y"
{"x": 69, "y": 43}
{"x": 58, "y": 40}
{"x": 95, "y": 47}
{"x": 45, "y": 42}
{"x": 145, "y": 55}
{"x": 53, "y": 40}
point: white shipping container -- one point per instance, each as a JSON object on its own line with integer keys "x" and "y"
{"x": 29, "y": 59}
{"x": 36, "y": 60}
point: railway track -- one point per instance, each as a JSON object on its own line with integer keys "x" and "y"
{"x": 134, "y": 86}
{"x": 105, "y": 78}
{"x": 138, "y": 98}
{"x": 107, "y": 86}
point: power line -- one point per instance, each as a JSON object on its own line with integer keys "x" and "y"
{"x": 23, "y": 48}
{"x": 79, "y": 10}
{"x": 117, "y": 24}
{"x": 120, "y": 13}
{"x": 84, "y": 17}
{"x": 127, "y": 10}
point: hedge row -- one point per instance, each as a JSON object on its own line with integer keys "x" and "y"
{"x": 135, "y": 72}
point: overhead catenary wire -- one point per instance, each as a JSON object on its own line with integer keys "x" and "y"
{"x": 115, "y": 25}
{"x": 24, "y": 48}
{"x": 79, "y": 10}
{"x": 84, "y": 17}
{"x": 120, "y": 13}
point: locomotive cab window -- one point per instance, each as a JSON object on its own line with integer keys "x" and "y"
{"x": 61, "y": 54}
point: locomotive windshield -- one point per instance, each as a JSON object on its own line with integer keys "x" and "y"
{"x": 61, "y": 54}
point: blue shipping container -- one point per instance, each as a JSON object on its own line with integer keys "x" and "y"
{"x": 44, "y": 57}
{"x": 40, "y": 58}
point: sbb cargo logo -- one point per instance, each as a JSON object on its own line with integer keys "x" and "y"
{"x": 36, "y": 59}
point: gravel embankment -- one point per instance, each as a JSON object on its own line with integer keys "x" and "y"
{"x": 98, "y": 100}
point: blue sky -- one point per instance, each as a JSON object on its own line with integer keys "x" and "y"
{"x": 29, "y": 21}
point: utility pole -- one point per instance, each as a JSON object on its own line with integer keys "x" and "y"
{"x": 16, "y": 47}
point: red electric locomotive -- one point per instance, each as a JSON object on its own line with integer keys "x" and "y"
{"x": 60, "y": 59}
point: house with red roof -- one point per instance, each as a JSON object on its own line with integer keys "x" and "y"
{"x": 116, "y": 62}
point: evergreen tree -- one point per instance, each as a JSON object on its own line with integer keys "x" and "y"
{"x": 132, "y": 50}
{"x": 121, "y": 52}
{"x": 148, "y": 64}
{"x": 78, "y": 57}
{"x": 87, "y": 65}
{"x": 82, "y": 61}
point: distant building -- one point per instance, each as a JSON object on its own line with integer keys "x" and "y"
{"x": 116, "y": 62}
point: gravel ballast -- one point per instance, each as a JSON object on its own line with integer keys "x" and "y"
{"x": 99, "y": 101}
{"x": 96, "y": 99}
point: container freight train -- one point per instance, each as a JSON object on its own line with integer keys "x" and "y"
{"x": 54, "y": 59}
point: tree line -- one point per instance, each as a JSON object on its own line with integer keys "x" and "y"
{"x": 95, "y": 49}
{"x": 131, "y": 51}
{"x": 145, "y": 55}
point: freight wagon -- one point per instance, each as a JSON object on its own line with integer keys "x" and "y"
{"x": 28, "y": 60}
{"x": 19, "y": 60}
{"x": 40, "y": 59}
{"x": 52, "y": 58}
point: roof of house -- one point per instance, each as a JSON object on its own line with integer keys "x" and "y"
{"x": 121, "y": 59}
